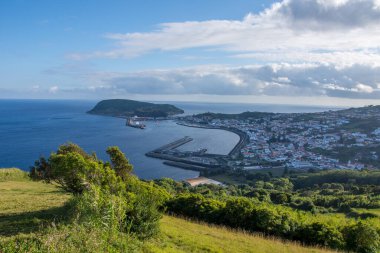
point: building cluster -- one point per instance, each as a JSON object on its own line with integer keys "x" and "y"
{"x": 304, "y": 140}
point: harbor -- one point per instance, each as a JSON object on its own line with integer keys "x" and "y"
{"x": 198, "y": 160}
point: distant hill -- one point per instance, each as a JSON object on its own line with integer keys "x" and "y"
{"x": 130, "y": 108}
{"x": 240, "y": 116}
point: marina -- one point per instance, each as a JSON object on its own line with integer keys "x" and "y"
{"x": 198, "y": 160}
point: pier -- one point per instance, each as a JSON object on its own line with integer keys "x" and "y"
{"x": 174, "y": 144}
{"x": 185, "y": 166}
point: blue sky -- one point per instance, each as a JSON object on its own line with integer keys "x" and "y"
{"x": 222, "y": 50}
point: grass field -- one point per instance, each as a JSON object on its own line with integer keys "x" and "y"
{"x": 371, "y": 211}
{"x": 179, "y": 235}
{"x": 13, "y": 174}
{"x": 27, "y": 207}
{"x": 228, "y": 179}
{"x": 234, "y": 179}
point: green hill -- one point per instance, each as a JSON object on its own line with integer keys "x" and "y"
{"x": 130, "y": 108}
{"x": 32, "y": 217}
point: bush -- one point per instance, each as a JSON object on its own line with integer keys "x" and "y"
{"x": 244, "y": 213}
{"x": 107, "y": 196}
{"x": 363, "y": 237}
{"x": 146, "y": 200}
{"x": 322, "y": 234}
{"x": 237, "y": 212}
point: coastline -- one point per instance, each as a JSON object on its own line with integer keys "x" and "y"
{"x": 243, "y": 137}
{"x": 182, "y": 161}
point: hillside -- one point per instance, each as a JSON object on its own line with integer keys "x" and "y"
{"x": 29, "y": 208}
{"x": 130, "y": 108}
{"x": 179, "y": 235}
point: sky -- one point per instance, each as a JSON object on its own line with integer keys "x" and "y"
{"x": 320, "y": 52}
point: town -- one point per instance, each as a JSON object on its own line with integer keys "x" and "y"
{"x": 343, "y": 139}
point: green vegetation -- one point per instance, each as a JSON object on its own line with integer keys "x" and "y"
{"x": 35, "y": 217}
{"x": 227, "y": 178}
{"x": 352, "y": 153}
{"x": 25, "y": 206}
{"x": 77, "y": 202}
{"x": 180, "y": 235}
{"x": 327, "y": 208}
{"x": 110, "y": 209}
{"x": 13, "y": 175}
{"x": 366, "y": 126}
{"x": 240, "y": 116}
{"x": 330, "y": 191}
{"x": 255, "y": 216}
{"x": 130, "y": 108}
{"x": 357, "y": 178}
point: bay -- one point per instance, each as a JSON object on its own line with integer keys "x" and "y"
{"x": 33, "y": 128}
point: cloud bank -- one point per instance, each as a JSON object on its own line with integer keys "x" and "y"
{"x": 357, "y": 81}
{"x": 305, "y": 47}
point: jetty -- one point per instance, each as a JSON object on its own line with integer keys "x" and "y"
{"x": 174, "y": 144}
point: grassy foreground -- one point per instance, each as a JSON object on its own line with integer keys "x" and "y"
{"x": 179, "y": 235}
{"x": 28, "y": 208}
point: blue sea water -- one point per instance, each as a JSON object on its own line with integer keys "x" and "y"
{"x": 32, "y": 128}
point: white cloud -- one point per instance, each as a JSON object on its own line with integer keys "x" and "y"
{"x": 324, "y": 48}
{"x": 329, "y": 14}
{"x": 357, "y": 81}
{"x": 321, "y": 30}
{"x": 340, "y": 59}
{"x": 53, "y": 89}
{"x": 364, "y": 88}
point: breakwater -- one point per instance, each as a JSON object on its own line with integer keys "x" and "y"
{"x": 174, "y": 144}
{"x": 198, "y": 161}
{"x": 235, "y": 152}
{"x": 185, "y": 166}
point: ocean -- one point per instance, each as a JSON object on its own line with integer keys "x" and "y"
{"x": 33, "y": 128}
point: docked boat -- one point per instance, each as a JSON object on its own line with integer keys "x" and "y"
{"x": 135, "y": 124}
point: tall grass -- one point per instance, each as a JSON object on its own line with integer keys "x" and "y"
{"x": 71, "y": 238}
{"x": 184, "y": 235}
{"x": 29, "y": 222}
{"x": 38, "y": 217}
{"x": 13, "y": 174}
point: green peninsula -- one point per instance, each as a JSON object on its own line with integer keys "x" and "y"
{"x": 130, "y": 108}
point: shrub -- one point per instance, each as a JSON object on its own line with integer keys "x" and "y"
{"x": 322, "y": 234}
{"x": 107, "y": 196}
{"x": 146, "y": 201}
{"x": 363, "y": 238}
{"x": 239, "y": 212}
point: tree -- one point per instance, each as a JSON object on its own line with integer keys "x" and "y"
{"x": 104, "y": 196}
{"x": 74, "y": 148}
{"x": 279, "y": 197}
{"x": 73, "y": 172}
{"x": 40, "y": 170}
{"x": 119, "y": 162}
